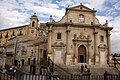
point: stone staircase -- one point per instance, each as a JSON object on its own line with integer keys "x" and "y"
{"x": 99, "y": 70}
{"x": 68, "y": 69}
{"x": 94, "y": 69}
{"x": 111, "y": 64}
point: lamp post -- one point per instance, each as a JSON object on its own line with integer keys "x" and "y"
{"x": 12, "y": 72}
{"x": 15, "y": 53}
{"x": 32, "y": 65}
{"x": 12, "y": 69}
{"x": 32, "y": 58}
{"x": 4, "y": 59}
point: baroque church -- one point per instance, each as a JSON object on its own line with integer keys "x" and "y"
{"x": 77, "y": 38}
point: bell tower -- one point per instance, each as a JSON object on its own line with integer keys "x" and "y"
{"x": 33, "y": 25}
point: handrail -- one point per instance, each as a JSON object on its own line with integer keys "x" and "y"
{"x": 63, "y": 69}
{"x": 116, "y": 64}
{"x": 58, "y": 66}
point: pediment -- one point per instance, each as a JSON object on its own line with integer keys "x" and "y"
{"x": 81, "y": 7}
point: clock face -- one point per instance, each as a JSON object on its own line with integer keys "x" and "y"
{"x": 32, "y": 31}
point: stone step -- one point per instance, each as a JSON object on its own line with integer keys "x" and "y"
{"x": 101, "y": 71}
{"x": 94, "y": 69}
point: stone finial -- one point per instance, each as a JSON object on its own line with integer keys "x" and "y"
{"x": 68, "y": 6}
{"x": 80, "y": 5}
{"x": 106, "y": 21}
{"x": 94, "y": 10}
{"x": 106, "y": 24}
{"x": 35, "y": 13}
{"x": 51, "y": 18}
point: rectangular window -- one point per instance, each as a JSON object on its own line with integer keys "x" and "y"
{"x": 6, "y": 35}
{"x": 13, "y": 33}
{"x": 81, "y": 18}
{"x": 1, "y": 36}
{"x": 58, "y": 35}
{"x": 101, "y": 39}
{"x": 21, "y": 33}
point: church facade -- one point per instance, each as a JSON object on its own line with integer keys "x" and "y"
{"x": 77, "y": 38}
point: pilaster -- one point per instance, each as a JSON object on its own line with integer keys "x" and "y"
{"x": 67, "y": 39}
{"x": 109, "y": 46}
{"x": 49, "y": 39}
{"x": 95, "y": 46}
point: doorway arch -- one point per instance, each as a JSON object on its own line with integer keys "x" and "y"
{"x": 82, "y": 54}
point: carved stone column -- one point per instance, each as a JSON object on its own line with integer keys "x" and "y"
{"x": 67, "y": 39}
{"x": 95, "y": 46}
{"x": 67, "y": 42}
{"x": 49, "y": 39}
{"x": 109, "y": 46}
{"x": 88, "y": 51}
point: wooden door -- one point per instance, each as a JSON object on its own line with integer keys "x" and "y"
{"x": 81, "y": 54}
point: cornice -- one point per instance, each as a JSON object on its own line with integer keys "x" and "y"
{"x": 98, "y": 26}
{"x": 14, "y": 28}
{"x": 79, "y": 10}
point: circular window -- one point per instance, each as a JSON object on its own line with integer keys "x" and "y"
{"x": 32, "y": 31}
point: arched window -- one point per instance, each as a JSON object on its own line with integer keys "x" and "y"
{"x": 13, "y": 34}
{"x": 81, "y": 18}
{"x": 0, "y": 35}
{"x": 6, "y": 35}
{"x": 20, "y": 32}
{"x": 33, "y": 23}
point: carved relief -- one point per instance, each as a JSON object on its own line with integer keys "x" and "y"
{"x": 60, "y": 44}
{"x": 75, "y": 36}
{"x": 82, "y": 36}
{"x": 102, "y": 47}
{"x": 88, "y": 36}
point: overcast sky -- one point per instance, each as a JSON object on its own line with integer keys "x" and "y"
{"x": 14, "y": 13}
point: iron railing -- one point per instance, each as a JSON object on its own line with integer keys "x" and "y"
{"x": 115, "y": 63}
{"x": 60, "y": 70}
{"x": 17, "y": 76}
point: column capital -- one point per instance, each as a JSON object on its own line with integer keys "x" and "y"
{"x": 68, "y": 28}
{"x": 50, "y": 29}
{"x": 95, "y": 32}
{"x": 109, "y": 34}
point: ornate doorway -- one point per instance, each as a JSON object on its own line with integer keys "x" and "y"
{"x": 81, "y": 54}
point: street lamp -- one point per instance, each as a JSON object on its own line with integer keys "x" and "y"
{"x": 12, "y": 71}
{"x": 4, "y": 59}
{"x": 15, "y": 53}
{"x": 32, "y": 57}
{"x": 32, "y": 65}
